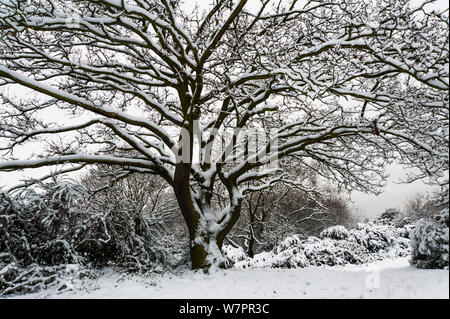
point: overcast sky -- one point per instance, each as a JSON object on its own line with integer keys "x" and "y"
{"x": 394, "y": 195}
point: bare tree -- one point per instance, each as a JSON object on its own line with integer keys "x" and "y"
{"x": 150, "y": 194}
{"x": 343, "y": 86}
{"x": 420, "y": 205}
{"x": 272, "y": 214}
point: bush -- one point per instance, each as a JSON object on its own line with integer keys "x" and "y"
{"x": 333, "y": 252}
{"x": 15, "y": 278}
{"x": 46, "y": 230}
{"x": 389, "y": 214}
{"x": 35, "y": 237}
{"x": 335, "y": 232}
{"x": 380, "y": 239}
{"x": 233, "y": 254}
{"x": 336, "y": 246}
{"x": 429, "y": 241}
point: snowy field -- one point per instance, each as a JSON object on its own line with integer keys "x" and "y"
{"x": 385, "y": 279}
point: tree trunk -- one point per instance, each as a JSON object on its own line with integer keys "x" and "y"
{"x": 251, "y": 244}
{"x": 251, "y": 241}
{"x": 206, "y": 252}
{"x": 205, "y": 245}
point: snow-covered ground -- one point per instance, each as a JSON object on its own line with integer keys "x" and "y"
{"x": 385, "y": 279}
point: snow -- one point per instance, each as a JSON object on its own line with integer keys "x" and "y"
{"x": 390, "y": 278}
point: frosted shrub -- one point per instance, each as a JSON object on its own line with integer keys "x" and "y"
{"x": 336, "y": 246}
{"x": 35, "y": 237}
{"x": 429, "y": 241}
{"x": 380, "y": 239}
{"x": 42, "y": 230}
{"x": 15, "y": 278}
{"x": 293, "y": 257}
{"x": 389, "y": 216}
{"x": 233, "y": 254}
{"x": 310, "y": 252}
{"x": 374, "y": 237}
{"x": 120, "y": 237}
{"x": 406, "y": 230}
{"x": 289, "y": 242}
{"x": 335, "y": 232}
{"x": 332, "y": 253}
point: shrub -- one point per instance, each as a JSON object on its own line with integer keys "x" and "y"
{"x": 390, "y": 214}
{"x": 335, "y": 232}
{"x": 233, "y": 254}
{"x": 429, "y": 241}
{"x": 336, "y": 246}
{"x": 46, "y": 230}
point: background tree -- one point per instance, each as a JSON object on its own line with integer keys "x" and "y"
{"x": 421, "y": 206}
{"x": 344, "y": 87}
{"x": 151, "y": 195}
{"x": 151, "y": 202}
{"x": 271, "y": 215}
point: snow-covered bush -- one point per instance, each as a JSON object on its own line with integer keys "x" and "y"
{"x": 406, "y": 230}
{"x": 34, "y": 277}
{"x": 45, "y": 228}
{"x": 389, "y": 215}
{"x": 429, "y": 241}
{"x": 36, "y": 236}
{"x": 117, "y": 236}
{"x": 294, "y": 258}
{"x": 286, "y": 244}
{"x": 332, "y": 252}
{"x": 335, "y": 232}
{"x": 375, "y": 237}
{"x": 310, "y": 252}
{"x": 394, "y": 217}
{"x": 233, "y": 254}
{"x": 336, "y": 246}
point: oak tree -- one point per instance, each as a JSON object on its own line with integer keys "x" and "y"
{"x": 153, "y": 87}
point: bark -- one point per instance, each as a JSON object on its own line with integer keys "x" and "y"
{"x": 205, "y": 246}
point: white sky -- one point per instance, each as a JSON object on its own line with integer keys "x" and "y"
{"x": 394, "y": 195}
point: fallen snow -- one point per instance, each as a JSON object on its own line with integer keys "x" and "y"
{"x": 393, "y": 278}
